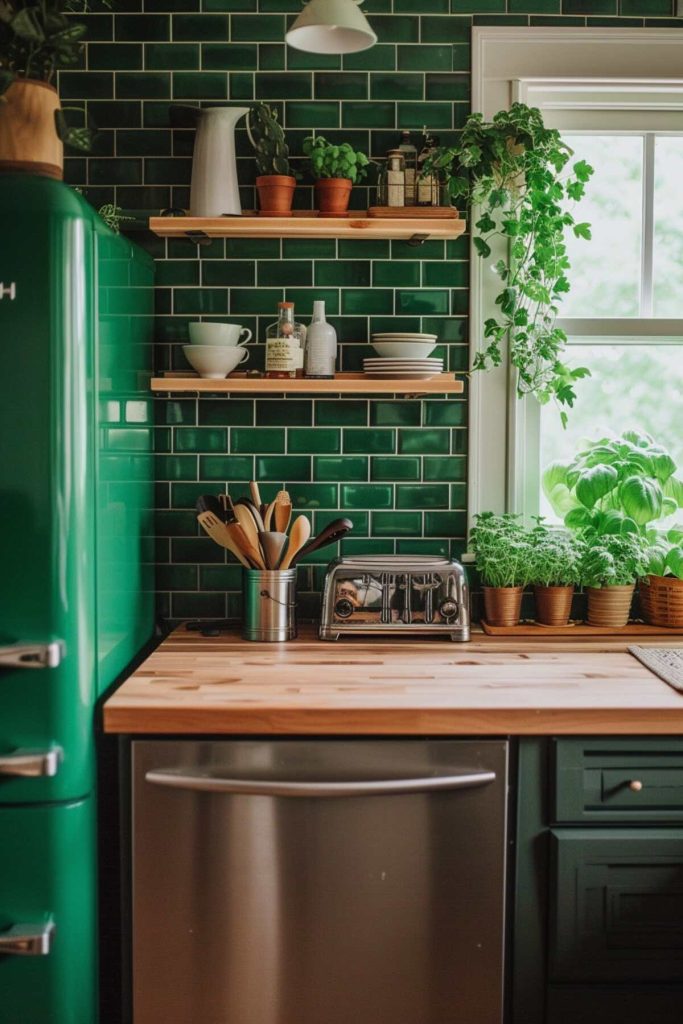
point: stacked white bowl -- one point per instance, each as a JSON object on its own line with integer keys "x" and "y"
{"x": 215, "y": 349}
{"x": 403, "y": 355}
{"x": 407, "y": 345}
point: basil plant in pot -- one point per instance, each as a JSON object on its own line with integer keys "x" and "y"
{"x": 610, "y": 567}
{"x": 275, "y": 181}
{"x": 503, "y": 552}
{"x": 37, "y": 38}
{"x": 555, "y": 572}
{"x": 661, "y": 590}
{"x": 336, "y": 170}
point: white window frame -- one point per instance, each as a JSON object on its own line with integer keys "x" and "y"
{"x": 639, "y": 88}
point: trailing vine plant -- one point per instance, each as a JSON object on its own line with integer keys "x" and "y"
{"x": 513, "y": 171}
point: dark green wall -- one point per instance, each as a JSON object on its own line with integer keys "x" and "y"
{"x": 397, "y": 467}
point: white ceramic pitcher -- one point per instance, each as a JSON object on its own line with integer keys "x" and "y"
{"x": 214, "y": 189}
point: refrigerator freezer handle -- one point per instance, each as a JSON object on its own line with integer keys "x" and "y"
{"x": 32, "y": 655}
{"x": 31, "y": 764}
{"x": 28, "y": 939}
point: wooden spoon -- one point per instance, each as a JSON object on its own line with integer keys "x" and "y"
{"x": 300, "y": 532}
{"x": 250, "y": 550}
{"x": 245, "y": 518}
{"x": 268, "y": 515}
{"x": 255, "y": 494}
{"x": 272, "y": 545}
{"x": 219, "y": 532}
{"x": 283, "y": 511}
{"x": 255, "y": 512}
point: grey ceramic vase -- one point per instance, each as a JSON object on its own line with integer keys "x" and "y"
{"x": 214, "y": 189}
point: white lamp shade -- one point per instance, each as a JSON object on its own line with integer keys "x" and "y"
{"x": 331, "y": 26}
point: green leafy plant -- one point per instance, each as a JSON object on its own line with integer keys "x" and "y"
{"x": 615, "y": 485}
{"x": 613, "y": 560}
{"x": 512, "y": 170}
{"x": 328, "y": 161}
{"x": 503, "y": 548}
{"x": 268, "y": 139}
{"x": 555, "y": 557}
{"x": 664, "y": 555}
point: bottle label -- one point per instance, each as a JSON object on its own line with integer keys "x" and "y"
{"x": 283, "y": 355}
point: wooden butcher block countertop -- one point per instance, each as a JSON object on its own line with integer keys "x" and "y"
{"x": 404, "y": 686}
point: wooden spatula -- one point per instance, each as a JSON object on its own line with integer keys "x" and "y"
{"x": 219, "y": 532}
{"x": 299, "y": 534}
{"x": 251, "y": 551}
{"x": 283, "y": 511}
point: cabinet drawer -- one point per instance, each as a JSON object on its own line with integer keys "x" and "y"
{"x": 618, "y": 780}
{"x": 616, "y": 905}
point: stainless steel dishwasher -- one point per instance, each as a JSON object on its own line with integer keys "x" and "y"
{"x": 318, "y": 881}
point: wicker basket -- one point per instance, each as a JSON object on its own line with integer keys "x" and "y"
{"x": 661, "y": 601}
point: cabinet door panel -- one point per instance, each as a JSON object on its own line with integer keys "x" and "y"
{"x": 597, "y": 1004}
{"x": 617, "y": 905}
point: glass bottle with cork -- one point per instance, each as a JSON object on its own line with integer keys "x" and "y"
{"x": 409, "y": 153}
{"x": 285, "y": 345}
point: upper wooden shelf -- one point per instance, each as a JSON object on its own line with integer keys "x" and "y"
{"x": 306, "y": 224}
{"x": 349, "y": 383}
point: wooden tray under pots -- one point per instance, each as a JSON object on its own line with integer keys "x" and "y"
{"x": 572, "y": 629}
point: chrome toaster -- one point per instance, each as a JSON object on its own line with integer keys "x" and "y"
{"x": 395, "y": 594}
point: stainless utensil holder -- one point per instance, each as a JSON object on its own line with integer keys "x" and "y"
{"x": 269, "y": 604}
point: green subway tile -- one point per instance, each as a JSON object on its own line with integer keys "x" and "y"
{"x": 257, "y": 440}
{"x": 424, "y": 58}
{"x": 396, "y": 275}
{"x": 252, "y": 249}
{"x": 162, "y": 549}
{"x": 176, "y": 577}
{"x": 176, "y": 411}
{"x": 190, "y": 606}
{"x": 500, "y": 19}
{"x": 271, "y": 57}
{"x": 283, "y": 467}
{"x": 226, "y": 467}
{"x": 150, "y": 86}
{"x": 368, "y": 115}
{"x": 422, "y": 496}
{"x": 422, "y": 6}
{"x": 222, "y": 412}
{"x": 459, "y": 496}
{"x": 241, "y": 85}
{"x": 342, "y": 273}
{"x": 255, "y": 300}
{"x": 231, "y": 6}
{"x": 288, "y": 85}
{"x": 395, "y": 468}
{"x": 177, "y": 272}
{"x": 415, "y": 115}
{"x": 396, "y": 524}
{"x": 646, "y": 8}
{"x": 172, "y": 57}
{"x": 423, "y": 547}
{"x": 200, "y": 439}
{"x": 366, "y": 496}
{"x": 220, "y": 577}
{"x": 308, "y": 248}
{"x": 350, "y": 328}
{"x": 447, "y": 329}
{"x": 379, "y": 58}
{"x": 478, "y": 6}
{"x": 208, "y": 28}
{"x": 116, "y": 113}
{"x": 459, "y": 442}
{"x": 445, "y": 524}
{"x": 171, "y": 5}
{"x": 228, "y": 56}
{"x": 175, "y": 467}
{"x": 589, "y": 7}
{"x": 357, "y": 301}
{"x": 422, "y": 301}
{"x": 200, "y": 85}
{"x": 123, "y": 56}
{"x": 297, "y": 60}
{"x": 399, "y": 28}
{"x": 461, "y": 58}
{"x": 167, "y": 171}
{"x": 533, "y": 7}
{"x": 175, "y": 524}
{"x": 342, "y": 86}
{"x": 259, "y": 28}
{"x": 446, "y": 274}
{"x": 344, "y": 413}
{"x": 395, "y": 414}
{"x": 303, "y": 299}
{"x": 423, "y": 442}
{"x": 393, "y": 86}
{"x": 100, "y": 26}
{"x": 199, "y": 301}
{"x": 460, "y": 302}
{"x": 313, "y": 440}
{"x": 96, "y": 85}
{"x": 336, "y": 468}
{"x": 447, "y": 87}
{"x": 392, "y": 324}
{"x": 288, "y": 412}
{"x": 143, "y": 142}
{"x": 451, "y": 29}
{"x": 365, "y": 546}
{"x": 231, "y": 273}
{"x": 284, "y": 272}
{"x": 184, "y": 495}
{"x": 299, "y": 114}
{"x": 115, "y": 172}
{"x": 432, "y": 249}
{"x": 445, "y": 414}
{"x": 448, "y": 469}
{"x": 162, "y": 439}
{"x": 363, "y": 249}
{"x": 369, "y": 442}
{"x": 554, "y": 21}
{"x": 143, "y": 27}
{"x": 312, "y": 496}
{"x": 360, "y": 519}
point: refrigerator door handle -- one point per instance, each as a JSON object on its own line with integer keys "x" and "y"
{"x": 258, "y": 787}
{"x": 32, "y": 655}
{"x": 31, "y": 764}
{"x": 28, "y": 939}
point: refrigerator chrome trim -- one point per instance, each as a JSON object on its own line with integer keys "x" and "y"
{"x": 31, "y": 764}
{"x": 32, "y": 655}
{"x": 28, "y": 939}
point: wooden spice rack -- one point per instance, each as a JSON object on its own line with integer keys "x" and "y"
{"x": 343, "y": 383}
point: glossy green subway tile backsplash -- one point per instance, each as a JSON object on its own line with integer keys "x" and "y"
{"x": 397, "y": 466}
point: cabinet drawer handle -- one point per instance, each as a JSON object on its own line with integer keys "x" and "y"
{"x": 28, "y": 939}
{"x": 635, "y": 785}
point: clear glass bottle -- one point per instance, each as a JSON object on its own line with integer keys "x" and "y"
{"x": 285, "y": 345}
{"x": 396, "y": 178}
{"x": 409, "y": 152}
{"x": 428, "y": 187}
{"x": 321, "y": 345}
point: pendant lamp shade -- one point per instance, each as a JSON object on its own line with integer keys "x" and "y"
{"x": 331, "y": 26}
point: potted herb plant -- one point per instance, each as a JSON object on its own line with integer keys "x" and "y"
{"x": 503, "y": 551}
{"x": 609, "y": 569}
{"x": 661, "y": 591}
{"x": 512, "y": 171}
{"x": 555, "y": 571}
{"x": 36, "y": 40}
{"x": 336, "y": 170}
{"x": 275, "y": 182}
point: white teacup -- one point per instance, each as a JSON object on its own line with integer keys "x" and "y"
{"x": 219, "y": 334}
{"x": 214, "y": 361}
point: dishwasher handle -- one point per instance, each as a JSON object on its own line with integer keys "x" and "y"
{"x": 256, "y": 787}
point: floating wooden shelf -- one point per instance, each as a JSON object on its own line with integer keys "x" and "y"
{"x": 306, "y": 224}
{"x": 343, "y": 383}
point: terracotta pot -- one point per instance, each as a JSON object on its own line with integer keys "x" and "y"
{"x": 503, "y": 605}
{"x": 661, "y": 601}
{"x": 553, "y": 605}
{"x": 28, "y": 134}
{"x": 609, "y": 606}
{"x": 332, "y": 196}
{"x": 275, "y": 194}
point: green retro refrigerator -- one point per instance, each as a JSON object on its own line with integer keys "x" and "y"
{"x": 75, "y": 570}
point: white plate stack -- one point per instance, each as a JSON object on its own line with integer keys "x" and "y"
{"x": 403, "y": 356}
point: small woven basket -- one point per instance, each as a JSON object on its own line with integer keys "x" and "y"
{"x": 661, "y": 601}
